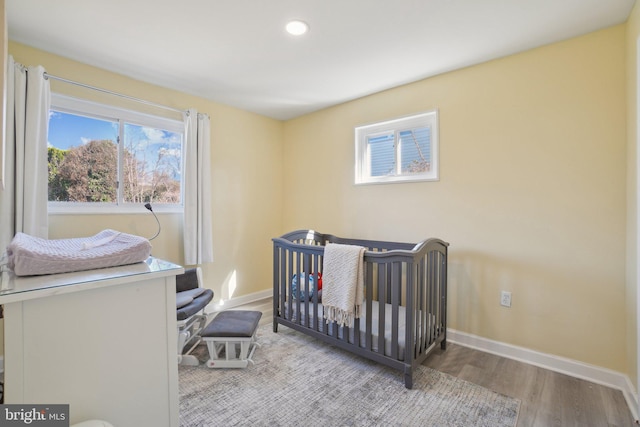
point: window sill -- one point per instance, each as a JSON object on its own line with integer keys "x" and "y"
{"x": 133, "y": 209}
{"x": 396, "y": 180}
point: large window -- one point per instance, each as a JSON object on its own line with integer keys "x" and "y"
{"x": 105, "y": 158}
{"x": 398, "y": 150}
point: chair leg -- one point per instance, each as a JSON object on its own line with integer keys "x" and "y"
{"x": 188, "y": 360}
{"x": 183, "y": 337}
{"x": 189, "y": 334}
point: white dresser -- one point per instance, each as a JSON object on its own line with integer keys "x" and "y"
{"x": 102, "y": 341}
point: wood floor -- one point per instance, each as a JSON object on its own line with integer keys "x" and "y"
{"x": 547, "y": 398}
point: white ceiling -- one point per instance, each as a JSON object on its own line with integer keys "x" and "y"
{"x": 236, "y": 52}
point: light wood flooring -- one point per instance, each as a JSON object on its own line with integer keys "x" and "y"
{"x": 547, "y": 398}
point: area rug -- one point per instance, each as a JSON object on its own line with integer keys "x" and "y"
{"x": 299, "y": 381}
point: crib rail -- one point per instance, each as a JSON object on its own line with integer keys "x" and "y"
{"x": 405, "y": 297}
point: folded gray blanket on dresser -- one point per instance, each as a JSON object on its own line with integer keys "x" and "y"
{"x": 29, "y": 255}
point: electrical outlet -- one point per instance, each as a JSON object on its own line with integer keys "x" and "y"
{"x": 505, "y": 299}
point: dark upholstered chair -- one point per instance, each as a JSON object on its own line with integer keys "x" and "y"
{"x": 191, "y": 299}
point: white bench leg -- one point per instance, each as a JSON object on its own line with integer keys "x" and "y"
{"x": 231, "y": 358}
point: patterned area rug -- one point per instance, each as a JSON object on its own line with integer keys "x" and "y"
{"x": 299, "y": 381}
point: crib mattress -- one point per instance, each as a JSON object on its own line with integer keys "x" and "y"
{"x": 375, "y": 313}
{"x": 30, "y": 256}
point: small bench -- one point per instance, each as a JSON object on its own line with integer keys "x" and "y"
{"x": 227, "y": 330}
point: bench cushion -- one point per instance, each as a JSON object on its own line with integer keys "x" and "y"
{"x": 233, "y": 323}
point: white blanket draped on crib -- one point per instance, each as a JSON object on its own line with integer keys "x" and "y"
{"x": 343, "y": 283}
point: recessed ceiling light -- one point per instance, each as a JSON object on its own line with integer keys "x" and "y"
{"x": 297, "y": 28}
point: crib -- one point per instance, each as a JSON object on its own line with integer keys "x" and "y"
{"x": 404, "y": 315}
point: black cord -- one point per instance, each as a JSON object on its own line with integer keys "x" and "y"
{"x": 148, "y": 206}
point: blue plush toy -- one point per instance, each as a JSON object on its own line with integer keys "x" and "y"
{"x": 302, "y": 294}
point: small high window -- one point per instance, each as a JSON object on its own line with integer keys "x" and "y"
{"x": 399, "y": 150}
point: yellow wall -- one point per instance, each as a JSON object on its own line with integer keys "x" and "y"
{"x": 246, "y": 180}
{"x": 632, "y": 46}
{"x": 531, "y": 194}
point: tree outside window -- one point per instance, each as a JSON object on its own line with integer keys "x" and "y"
{"x": 89, "y": 165}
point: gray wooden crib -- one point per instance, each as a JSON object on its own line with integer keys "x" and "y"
{"x": 405, "y": 296}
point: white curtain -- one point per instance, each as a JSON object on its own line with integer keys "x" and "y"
{"x": 198, "y": 244}
{"x": 23, "y": 201}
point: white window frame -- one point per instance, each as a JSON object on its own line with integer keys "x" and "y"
{"x": 362, "y": 154}
{"x": 80, "y": 106}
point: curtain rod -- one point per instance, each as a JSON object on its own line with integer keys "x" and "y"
{"x": 131, "y": 98}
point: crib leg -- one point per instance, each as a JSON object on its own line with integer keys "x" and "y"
{"x": 443, "y": 344}
{"x": 408, "y": 381}
{"x": 275, "y": 326}
{"x": 408, "y": 377}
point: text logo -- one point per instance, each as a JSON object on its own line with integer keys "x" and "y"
{"x": 34, "y": 415}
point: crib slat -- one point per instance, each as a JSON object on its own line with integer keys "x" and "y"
{"x": 443, "y": 297}
{"x": 430, "y": 310}
{"x": 382, "y": 301}
{"x": 283, "y": 283}
{"x": 306, "y": 272}
{"x": 316, "y": 271}
{"x": 430, "y": 293}
{"x": 395, "y": 302}
{"x": 409, "y": 336}
{"x": 421, "y": 299}
{"x": 368, "y": 303}
{"x": 292, "y": 315}
{"x": 276, "y": 282}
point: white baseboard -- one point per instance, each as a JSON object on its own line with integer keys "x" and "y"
{"x": 238, "y": 301}
{"x": 574, "y": 368}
